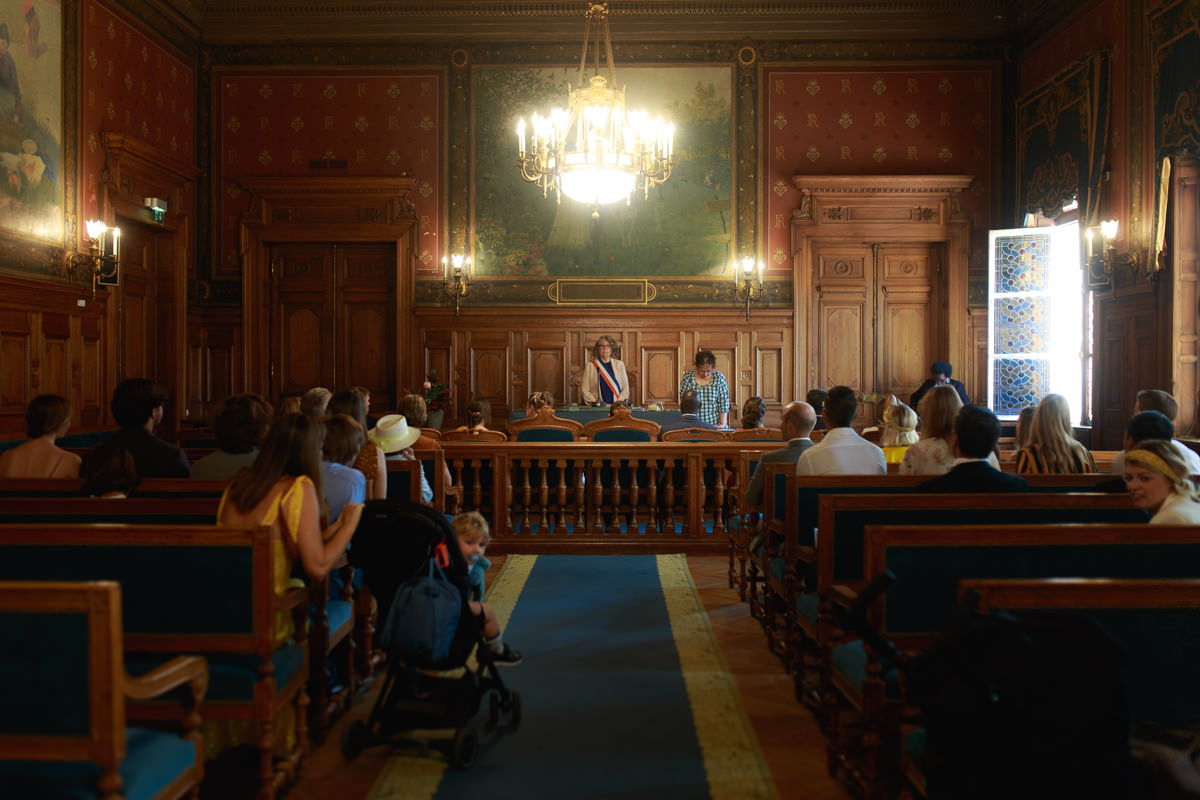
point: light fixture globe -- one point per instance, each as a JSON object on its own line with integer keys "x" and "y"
{"x": 593, "y": 151}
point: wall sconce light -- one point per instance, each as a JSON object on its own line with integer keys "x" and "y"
{"x": 744, "y": 288}
{"x": 458, "y": 277}
{"x": 102, "y": 263}
{"x": 1100, "y": 265}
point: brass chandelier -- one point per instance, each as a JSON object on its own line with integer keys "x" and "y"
{"x": 593, "y": 151}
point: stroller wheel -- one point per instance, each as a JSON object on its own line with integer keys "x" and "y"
{"x": 493, "y": 707}
{"x": 464, "y": 749}
{"x": 354, "y": 738}
{"x": 514, "y": 708}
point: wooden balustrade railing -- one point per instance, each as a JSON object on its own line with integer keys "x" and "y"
{"x": 615, "y": 496}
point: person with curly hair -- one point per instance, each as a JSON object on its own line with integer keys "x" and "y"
{"x": 753, "y": 411}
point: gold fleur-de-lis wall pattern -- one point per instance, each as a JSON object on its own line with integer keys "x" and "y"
{"x": 878, "y": 122}
{"x": 345, "y": 123}
{"x": 129, "y": 85}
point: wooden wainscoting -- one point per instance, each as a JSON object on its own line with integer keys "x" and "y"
{"x": 504, "y": 355}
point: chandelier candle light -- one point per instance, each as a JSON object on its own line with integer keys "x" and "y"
{"x": 100, "y": 264}
{"x": 593, "y": 151}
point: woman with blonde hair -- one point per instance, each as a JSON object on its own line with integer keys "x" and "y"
{"x": 1052, "y": 449}
{"x": 899, "y": 432}
{"x": 934, "y": 453}
{"x": 1157, "y": 479}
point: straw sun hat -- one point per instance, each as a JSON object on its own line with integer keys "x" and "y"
{"x": 393, "y": 434}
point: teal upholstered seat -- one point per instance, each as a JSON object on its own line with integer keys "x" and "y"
{"x": 851, "y": 661}
{"x": 545, "y": 435}
{"x": 622, "y": 435}
{"x": 58, "y": 683}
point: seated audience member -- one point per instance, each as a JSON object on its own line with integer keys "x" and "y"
{"x": 396, "y": 438}
{"x": 47, "y": 419}
{"x": 816, "y": 398}
{"x": 471, "y": 530}
{"x": 108, "y": 470}
{"x": 340, "y": 481}
{"x": 753, "y": 411}
{"x": 1024, "y": 423}
{"x": 289, "y": 405}
{"x": 689, "y": 406}
{"x": 240, "y": 427}
{"x": 369, "y": 460}
{"x": 412, "y": 406}
{"x": 939, "y": 375}
{"x": 841, "y": 451}
{"x": 934, "y": 453}
{"x": 366, "y": 395}
{"x": 137, "y": 406}
{"x": 1144, "y": 425}
{"x": 1052, "y": 448}
{"x": 617, "y": 406}
{"x": 1157, "y": 480}
{"x": 315, "y": 402}
{"x": 1164, "y": 403}
{"x": 882, "y": 404}
{"x": 976, "y": 431}
{"x": 539, "y": 412}
{"x": 797, "y": 425}
{"x": 479, "y": 414}
{"x": 899, "y": 432}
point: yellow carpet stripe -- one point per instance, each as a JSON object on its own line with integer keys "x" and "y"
{"x": 417, "y": 777}
{"x": 734, "y": 763}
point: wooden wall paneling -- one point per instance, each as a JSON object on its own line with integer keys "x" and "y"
{"x": 304, "y": 275}
{"x": 906, "y": 329}
{"x": 490, "y": 371}
{"x": 1126, "y": 361}
{"x": 661, "y": 360}
{"x": 368, "y": 336}
{"x": 975, "y": 372}
{"x": 1185, "y": 295}
{"x": 546, "y": 365}
{"x": 770, "y": 359}
{"x": 90, "y": 400}
{"x": 223, "y": 369}
{"x": 196, "y": 369}
{"x": 439, "y": 355}
{"x": 56, "y": 355}
{"x": 19, "y": 368}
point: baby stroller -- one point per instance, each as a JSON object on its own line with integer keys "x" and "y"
{"x": 395, "y": 541}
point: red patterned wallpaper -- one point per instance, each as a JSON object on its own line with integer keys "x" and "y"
{"x": 132, "y": 85}
{"x": 379, "y": 123}
{"x": 1102, "y": 27}
{"x": 828, "y": 121}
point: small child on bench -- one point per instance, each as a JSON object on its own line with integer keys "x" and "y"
{"x": 473, "y": 535}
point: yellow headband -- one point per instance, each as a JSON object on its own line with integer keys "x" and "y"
{"x": 1155, "y": 463}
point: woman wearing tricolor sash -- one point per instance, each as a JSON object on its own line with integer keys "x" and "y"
{"x": 604, "y": 378}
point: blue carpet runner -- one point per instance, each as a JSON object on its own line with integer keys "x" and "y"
{"x": 624, "y": 693}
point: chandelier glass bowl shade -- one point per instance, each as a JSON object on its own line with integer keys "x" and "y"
{"x": 594, "y": 151}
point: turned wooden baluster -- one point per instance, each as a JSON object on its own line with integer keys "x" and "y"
{"x": 526, "y": 493}
{"x": 596, "y": 508}
{"x": 669, "y": 510}
{"x": 543, "y": 493}
{"x": 719, "y": 497}
{"x": 560, "y": 519}
{"x": 652, "y": 498}
{"x": 634, "y": 498}
{"x": 581, "y": 496}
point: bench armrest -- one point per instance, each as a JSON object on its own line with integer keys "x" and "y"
{"x": 806, "y": 555}
{"x": 842, "y": 596}
{"x": 292, "y": 598}
{"x": 189, "y": 671}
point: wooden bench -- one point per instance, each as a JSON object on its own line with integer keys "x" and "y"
{"x": 64, "y": 698}
{"x": 1151, "y": 620}
{"x": 928, "y": 563}
{"x": 150, "y": 487}
{"x": 202, "y": 590}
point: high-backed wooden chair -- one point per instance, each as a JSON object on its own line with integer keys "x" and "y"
{"x": 621, "y": 426}
{"x": 756, "y": 435}
{"x": 545, "y": 427}
{"x": 64, "y": 733}
{"x": 695, "y": 435}
{"x": 473, "y": 435}
{"x": 432, "y": 433}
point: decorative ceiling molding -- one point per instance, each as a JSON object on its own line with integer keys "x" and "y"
{"x": 228, "y": 22}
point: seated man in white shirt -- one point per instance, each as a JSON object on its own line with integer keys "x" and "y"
{"x": 1164, "y": 403}
{"x": 842, "y": 451}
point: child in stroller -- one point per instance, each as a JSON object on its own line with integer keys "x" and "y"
{"x": 395, "y": 541}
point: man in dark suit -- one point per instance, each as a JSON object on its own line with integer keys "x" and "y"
{"x": 689, "y": 404}
{"x": 939, "y": 376}
{"x": 137, "y": 405}
{"x": 976, "y": 431}
{"x": 797, "y": 424}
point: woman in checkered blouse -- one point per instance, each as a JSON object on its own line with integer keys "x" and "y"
{"x": 710, "y": 385}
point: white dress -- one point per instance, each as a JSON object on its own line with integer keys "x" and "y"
{"x": 933, "y": 457}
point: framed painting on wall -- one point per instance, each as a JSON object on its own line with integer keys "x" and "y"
{"x": 684, "y": 228}
{"x": 31, "y": 119}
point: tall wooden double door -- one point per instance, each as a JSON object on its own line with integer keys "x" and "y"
{"x": 336, "y": 324}
{"x": 872, "y": 316}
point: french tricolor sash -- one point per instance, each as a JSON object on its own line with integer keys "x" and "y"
{"x": 612, "y": 384}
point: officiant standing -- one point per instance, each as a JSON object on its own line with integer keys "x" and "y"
{"x": 604, "y": 378}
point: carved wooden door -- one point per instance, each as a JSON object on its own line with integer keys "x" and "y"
{"x": 336, "y": 324}
{"x": 870, "y": 308}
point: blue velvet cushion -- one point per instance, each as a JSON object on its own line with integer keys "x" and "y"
{"x": 777, "y": 567}
{"x": 621, "y": 435}
{"x": 850, "y": 659}
{"x": 153, "y": 759}
{"x": 545, "y": 435}
{"x": 230, "y": 677}
{"x": 340, "y": 612}
{"x": 806, "y": 605}
{"x": 915, "y": 746}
